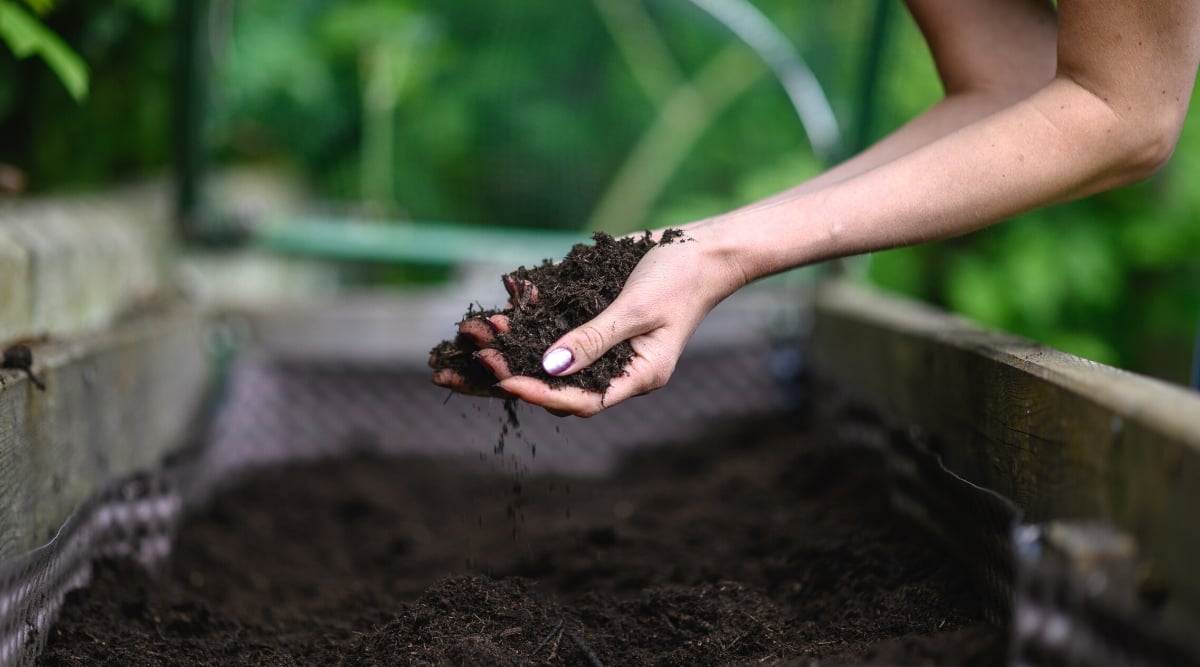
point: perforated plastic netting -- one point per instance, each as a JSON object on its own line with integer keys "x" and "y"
{"x": 1061, "y": 608}
{"x": 133, "y": 518}
{"x": 288, "y": 410}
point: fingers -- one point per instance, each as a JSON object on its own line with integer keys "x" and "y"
{"x": 632, "y": 316}
{"x": 648, "y": 370}
{"x": 465, "y": 365}
{"x": 495, "y": 362}
{"x": 455, "y": 381}
{"x": 451, "y": 379}
{"x": 520, "y": 291}
{"x": 483, "y": 330}
{"x": 567, "y": 401}
{"x": 561, "y": 402}
{"x": 582, "y": 346}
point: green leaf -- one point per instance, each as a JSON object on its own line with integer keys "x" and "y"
{"x": 27, "y": 36}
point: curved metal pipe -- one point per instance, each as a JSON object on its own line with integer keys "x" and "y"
{"x": 807, "y": 97}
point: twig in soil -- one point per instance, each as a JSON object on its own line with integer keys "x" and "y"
{"x": 587, "y": 652}
{"x": 542, "y": 644}
{"x": 730, "y": 645}
{"x": 554, "y": 647}
{"x": 670, "y": 623}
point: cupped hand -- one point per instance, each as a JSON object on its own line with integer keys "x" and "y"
{"x": 476, "y": 375}
{"x": 664, "y": 299}
{"x": 471, "y": 375}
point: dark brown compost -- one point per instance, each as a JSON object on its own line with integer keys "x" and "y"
{"x": 760, "y": 544}
{"x": 550, "y": 300}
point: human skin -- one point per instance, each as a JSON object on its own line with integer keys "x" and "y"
{"x": 1039, "y": 109}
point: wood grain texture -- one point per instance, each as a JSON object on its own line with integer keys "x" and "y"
{"x": 79, "y": 262}
{"x": 1061, "y": 436}
{"x": 14, "y": 288}
{"x": 115, "y": 403}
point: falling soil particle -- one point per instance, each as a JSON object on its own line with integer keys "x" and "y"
{"x": 761, "y": 544}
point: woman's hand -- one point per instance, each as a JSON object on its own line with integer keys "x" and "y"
{"x": 664, "y": 299}
{"x": 669, "y": 292}
{"x": 463, "y": 365}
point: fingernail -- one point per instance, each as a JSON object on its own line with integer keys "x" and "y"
{"x": 557, "y": 360}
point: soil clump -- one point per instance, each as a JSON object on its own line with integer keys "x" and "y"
{"x": 758, "y": 545}
{"x": 549, "y": 300}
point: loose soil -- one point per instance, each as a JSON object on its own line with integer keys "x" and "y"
{"x": 547, "y": 302}
{"x": 758, "y": 545}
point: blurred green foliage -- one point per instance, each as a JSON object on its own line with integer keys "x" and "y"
{"x": 511, "y": 113}
{"x": 121, "y": 128}
{"x": 25, "y": 35}
{"x": 524, "y": 112}
{"x": 1114, "y": 278}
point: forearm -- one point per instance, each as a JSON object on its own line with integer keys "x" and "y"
{"x": 1060, "y": 143}
{"x": 1123, "y": 72}
{"x": 947, "y": 116}
{"x": 989, "y": 54}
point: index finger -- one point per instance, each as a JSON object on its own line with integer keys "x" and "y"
{"x": 571, "y": 400}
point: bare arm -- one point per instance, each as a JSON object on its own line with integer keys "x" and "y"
{"x": 988, "y": 53}
{"x": 1109, "y": 114}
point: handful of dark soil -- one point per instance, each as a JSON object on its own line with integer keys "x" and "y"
{"x": 547, "y": 302}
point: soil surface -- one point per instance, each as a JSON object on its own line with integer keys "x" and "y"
{"x": 547, "y": 302}
{"x": 759, "y": 545}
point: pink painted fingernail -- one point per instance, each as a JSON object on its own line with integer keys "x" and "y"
{"x": 557, "y": 360}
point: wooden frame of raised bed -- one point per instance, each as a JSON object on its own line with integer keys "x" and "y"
{"x": 1063, "y": 437}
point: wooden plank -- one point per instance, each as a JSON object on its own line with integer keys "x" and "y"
{"x": 81, "y": 261}
{"x": 1063, "y": 437}
{"x": 14, "y": 288}
{"x": 115, "y": 404}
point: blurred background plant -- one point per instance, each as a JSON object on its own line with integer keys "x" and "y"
{"x": 26, "y": 36}
{"x": 613, "y": 114}
{"x": 73, "y": 124}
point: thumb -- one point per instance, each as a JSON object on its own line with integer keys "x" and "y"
{"x": 582, "y": 346}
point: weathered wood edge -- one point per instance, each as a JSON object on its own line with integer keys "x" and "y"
{"x": 72, "y": 264}
{"x": 116, "y": 403}
{"x": 1063, "y": 437}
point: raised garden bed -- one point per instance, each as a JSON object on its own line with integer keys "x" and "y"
{"x": 763, "y": 542}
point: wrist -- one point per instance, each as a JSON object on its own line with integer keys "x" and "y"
{"x": 756, "y": 241}
{"x": 720, "y": 255}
